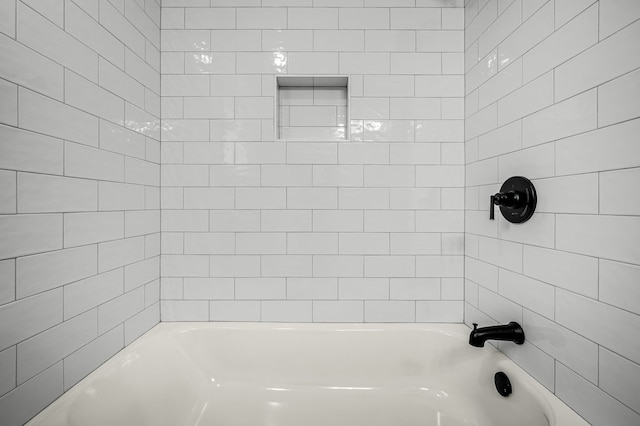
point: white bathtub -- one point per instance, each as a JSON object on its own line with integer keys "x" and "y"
{"x": 182, "y": 374}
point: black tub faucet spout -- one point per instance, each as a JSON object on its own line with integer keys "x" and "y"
{"x": 511, "y": 332}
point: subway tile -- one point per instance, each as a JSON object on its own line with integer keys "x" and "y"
{"x": 439, "y": 86}
{"x": 118, "y": 139}
{"x": 595, "y": 405}
{"x": 498, "y": 308}
{"x": 576, "y": 36}
{"x": 116, "y": 311}
{"x": 261, "y": 198}
{"x": 8, "y": 375}
{"x": 389, "y": 311}
{"x": 287, "y": 40}
{"x": 312, "y": 243}
{"x": 599, "y": 322}
{"x": 389, "y": 221}
{"x": 364, "y": 243}
{"x": 618, "y": 285}
{"x": 439, "y": 221}
{"x": 439, "y": 311}
{"x": 42, "y": 193}
{"x": 88, "y": 293}
{"x": 414, "y": 243}
{"x": 564, "y": 345}
{"x": 440, "y": 176}
{"x": 416, "y": 18}
{"x": 286, "y": 311}
{"x": 504, "y": 254}
{"x": 27, "y": 400}
{"x": 526, "y": 36}
{"x": 535, "y": 162}
{"x": 439, "y": 41}
{"x": 414, "y": 288}
{"x": 478, "y": 24}
{"x": 185, "y": 310}
{"x": 388, "y": 85}
{"x": 364, "y": 63}
{"x": 234, "y": 130}
{"x": 363, "y": 288}
{"x": 201, "y": 63}
{"x": 617, "y": 99}
{"x": 209, "y": 243}
{"x": 439, "y": 266}
{"x": 120, "y": 196}
{"x": 570, "y": 117}
{"x": 417, "y": 63}
{"x": 485, "y": 68}
{"x": 36, "y": 32}
{"x": 390, "y": 41}
{"x": 532, "y": 294}
{"x": 481, "y": 122}
{"x": 481, "y": 273}
{"x": 45, "y": 349}
{"x": 234, "y": 311}
{"x": 7, "y": 281}
{"x": 311, "y": 153}
{"x": 34, "y": 314}
{"x": 86, "y": 162}
{"x": 312, "y": 198}
{"x": 30, "y": 234}
{"x": 358, "y": 18}
{"x": 208, "y": 18}
{"x": 30, "y": 69}
{"x": 44, "y": 115}
{"x": 187, "y": 40}
{"x": 312, "y": 63}
{"x": 84, "y": 27}
{"x": 610, "y": 237}
{"x": 614, "y": 16}
{"x": 603, "y": 149}
{"x": 363, "y": 153}
{"x": 566, "y": 270}
{"x": 612, "y": 201}
{"x": 598, "y": 64}
{"x": 184, "y": 266}
{"x": 85, "y": 228}
{"x": 261, "y": 18}
{"x": 82, "y": 362}
{"x": 260, "y": 288}
{"x": 338, "y": 311}
{"x": 415, "y": 198}
{"x": 236, "y": 85}
{"x": 501, "y": 84}
{"x": 262, "y": 62}
{"x": 115, "y": 254}
{"x": 530, "y": 98}
{"x": 39, "y": 273}
{"x": 618, "y": 377}
{"x": 312, "y": 288}
{"x": 509, "y": 20}
{"x": 8, "y": 23}
{"x": 540, "y": 231}
{"x": 439, "y": 131}
{"x": 286, "y": 265}
{"x": 338, "y": 41}
{"x": 8, "y": 103}
{"x": 208, "y": 288}
{"x": 343, "y": 266}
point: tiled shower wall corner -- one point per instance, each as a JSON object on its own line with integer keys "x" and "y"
{"x": 79, "y": 191}
{"x": 552, "y": 91}
{"x": 255, "y": 229}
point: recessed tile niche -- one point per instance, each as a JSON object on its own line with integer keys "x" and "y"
{"x": 312, "y": 108}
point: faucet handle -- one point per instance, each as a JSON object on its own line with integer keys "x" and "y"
{"x": 475, "y": 325}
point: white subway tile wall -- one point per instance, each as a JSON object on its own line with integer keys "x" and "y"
{"x": 550, "y": 91}
{"x": 80, "y": 191}
{"x": 275, "y": 207}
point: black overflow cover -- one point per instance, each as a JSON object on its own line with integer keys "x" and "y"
{"x": 503, "y": 384}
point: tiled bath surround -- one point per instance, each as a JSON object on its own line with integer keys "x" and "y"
{"x": 79, "y": 191}
{"x": 314, "y": 228}
{"x": 552, "y": 91}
